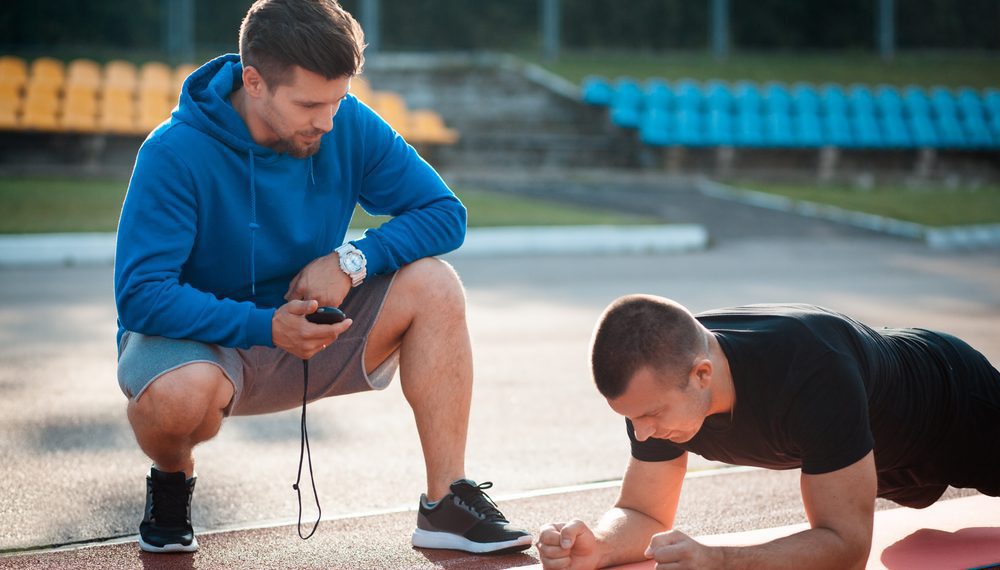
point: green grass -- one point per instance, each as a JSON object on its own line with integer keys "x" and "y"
{"x": 935, "y": 206}
{"x": 36, "y": 205}
{"x": 945, "y": 68}
{"x": 32, "y": 205}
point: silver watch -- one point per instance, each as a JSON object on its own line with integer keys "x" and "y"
{"x": 353, "y": 263}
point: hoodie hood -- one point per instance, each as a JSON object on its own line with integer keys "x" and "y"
{"x": 204, "y": 104}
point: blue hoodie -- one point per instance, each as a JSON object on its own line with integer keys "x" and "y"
{"x": 214, "y": 226}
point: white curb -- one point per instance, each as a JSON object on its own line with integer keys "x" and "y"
{"x": 99, "y": 248}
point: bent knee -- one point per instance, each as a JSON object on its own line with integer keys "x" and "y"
{"x": 433, "y": 282}
{"x": 183, "y": 396}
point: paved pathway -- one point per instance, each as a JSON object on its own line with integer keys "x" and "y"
{"x": 72, "y": 472}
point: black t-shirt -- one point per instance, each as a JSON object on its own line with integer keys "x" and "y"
{"x": 818, "y": 390}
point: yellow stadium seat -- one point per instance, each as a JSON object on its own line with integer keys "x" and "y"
{"x": 47, "y": 70}
{"x": 79, "y": 110}
{"x": 39, "y": 114}
{"x": 361, "y": 89}
{"x": 428, "y": 127}
{"x": 391, "y": 107}
{"x": 154, "y": 108}
{"x": 121, "y": 74}
{"x": 83, "y": 72}
{"x": 8, "y": 119}
{"x": 10, "y": 97}
{"x": 13, "y": 71}
{"x": 10, "y": 105}
{"x": 116, "y": 112}
{"x": 42, "y": 96}
{"x": 155, "y": 75}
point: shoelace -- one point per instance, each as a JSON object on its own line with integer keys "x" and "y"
{"x": 170, "y": 504}
{"x": 304, "y": 451}
{"x": 479, "y": 501}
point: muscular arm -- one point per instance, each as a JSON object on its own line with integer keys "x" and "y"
{"x": 646, "y": 505}
{"x": 840, "y": 506}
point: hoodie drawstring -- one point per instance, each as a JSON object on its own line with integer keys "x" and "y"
{"x": 312, "y": 173}
{"x": 253, "y": 227}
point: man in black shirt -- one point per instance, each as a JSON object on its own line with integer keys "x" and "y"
{"x": 894, "y": 413}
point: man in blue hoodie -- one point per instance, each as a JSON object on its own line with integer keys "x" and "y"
{"x": 232, "y": 232}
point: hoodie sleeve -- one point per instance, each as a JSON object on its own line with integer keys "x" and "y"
{"x": 427, "y": 218}
{"x": 156, "y": 233}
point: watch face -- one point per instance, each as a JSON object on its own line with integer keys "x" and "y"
{"x": 352, "y": 262}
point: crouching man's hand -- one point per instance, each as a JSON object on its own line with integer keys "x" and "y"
{"x": 291, "y": 331}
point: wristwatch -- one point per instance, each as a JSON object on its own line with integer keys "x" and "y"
{"x": 352, "y": 262}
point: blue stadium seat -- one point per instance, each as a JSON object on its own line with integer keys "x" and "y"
{"x": 836, "y": 129}
{"x": 749, "y": 129}
{"x": 915, "y": 101}
{"x": 777, "y": 99}
{"x": 658, "y": 94}
{"x": 626, "y": 105}
{"x": 778, "y": 129}
{"x": 687, "y": 128}
{"x": 991, "y": 100}
{"x": 718, "y": 97}
{"x": 977, "y": 132}
{"x": 834, "y": 100}
{"x": 805, "y": 99}
{"x": 719, "y": 128}
{"x": 597, "y": 90}
{"x": 866, "y": 131}
{"x": 654, "y": 127}
{"x": 860, "y": 100}
{"x": 994, "y": 124}
{"x": 950, "y": 130}
{"x": 806, "y": 129}
{"x": 970, "y": 106}
{"x": 746, "y": 96}
{"x": 687, "y": 95}
{"x": 894, "y": 131}
{"x": 943, "y": 101}
{"x": 923, "y": 131}
{"x": 626, "y": 117}
{"x": 888, "y": 100}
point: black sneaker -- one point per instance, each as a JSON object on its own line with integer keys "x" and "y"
{"x": 467, "y": 519}
{"x": 166, "y": 526}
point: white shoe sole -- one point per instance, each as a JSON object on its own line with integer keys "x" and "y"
{"x": 430, "y": 539}
{"x": 146, "y": 547}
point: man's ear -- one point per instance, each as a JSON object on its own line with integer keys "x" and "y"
{"x": 253, "y": 82}
{"x": 703, "y": 372}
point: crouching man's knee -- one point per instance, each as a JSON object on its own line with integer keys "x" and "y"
{"x": 178, "y": 402}
{"x": 432, "y": 283}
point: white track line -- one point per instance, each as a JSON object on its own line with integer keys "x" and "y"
{"x": 379, "y": 512}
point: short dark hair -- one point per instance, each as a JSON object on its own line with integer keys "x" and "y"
{"x": 639, "y": 331}
{"x": 317, "y": 35}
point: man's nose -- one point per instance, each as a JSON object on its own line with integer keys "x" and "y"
{"x": 643, "y": 429}
{"x": 325, "y": 121}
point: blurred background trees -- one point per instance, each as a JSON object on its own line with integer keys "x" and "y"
{"x": 140, "y": 26}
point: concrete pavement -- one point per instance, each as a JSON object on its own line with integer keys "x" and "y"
{"x": 72, "y": 472}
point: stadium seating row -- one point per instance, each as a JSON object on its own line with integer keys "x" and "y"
{"x": 715, "y": 113}
{"x": 121, "y": 98}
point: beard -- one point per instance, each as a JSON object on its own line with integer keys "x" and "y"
{"x": 296, "y": 149}
{"x": 289, "y": 141}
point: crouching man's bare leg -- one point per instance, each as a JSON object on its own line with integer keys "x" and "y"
{"x": 424, "y": 317}
{"x": 179, "y": 410}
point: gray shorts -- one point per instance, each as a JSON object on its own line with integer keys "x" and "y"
{"x": 269, "y": 379}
